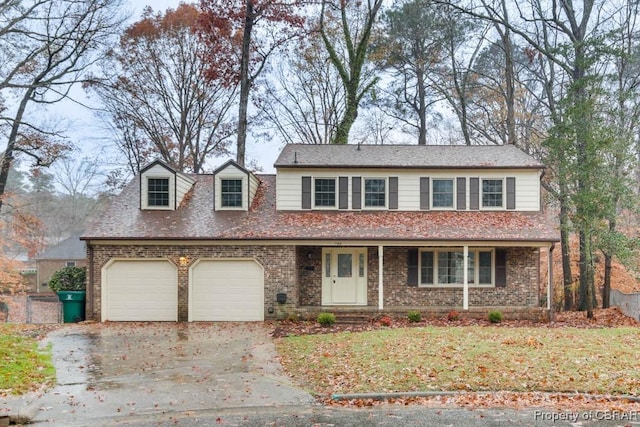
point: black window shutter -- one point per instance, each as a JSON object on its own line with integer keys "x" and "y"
{"x": 474, "y": 193}
{"x": 306, "y": 192}
{"x": 343, "y": 192}
{"x": 424, "y": 193}
{"x": 412, "y": 267}
{"x": 511, "y": 192}
{"x": 356, "y": 189}
{"x": 501, "y": 268}
{"x": 393, "y": 192}
{"x": 461, "y": 190}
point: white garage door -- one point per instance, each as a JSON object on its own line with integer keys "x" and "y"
{"x": 226, "y": 290}
{"x": 140, "y": 291}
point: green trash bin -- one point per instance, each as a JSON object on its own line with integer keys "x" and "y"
{"x": 73, "y": 303}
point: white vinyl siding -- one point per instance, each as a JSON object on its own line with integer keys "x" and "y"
{"x": 289, "y": 189}
{"x": 254, "y": 183}
{"x": 179, "y": 186}
{"x": 183, "y": 185}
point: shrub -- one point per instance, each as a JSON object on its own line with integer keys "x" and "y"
{"x": 453, "y": 315}
{"x": 69, "y": 279}
{"x": 326, "y": 319}
{"x": 414, "y": 316}
{"x": 495, "y": 316}
{"x": 385, "y": 321}
{"x": 293, "y": 317}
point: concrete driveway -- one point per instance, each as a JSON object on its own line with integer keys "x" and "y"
{"x": 119, "y": 370}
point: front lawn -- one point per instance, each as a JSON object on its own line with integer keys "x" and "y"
{"x": 23, "y": 366}
{"x": 468, "y": 358}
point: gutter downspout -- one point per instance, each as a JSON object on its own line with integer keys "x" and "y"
{"x": 465, "y": 278}
{"x": 380, "y": 281}
{"x": 90, "y": 284}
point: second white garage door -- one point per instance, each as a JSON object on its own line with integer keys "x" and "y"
{"x": 226, "y": 290}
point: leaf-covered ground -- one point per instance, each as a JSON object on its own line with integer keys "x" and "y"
{"x": 23, "y": 365}
{"x": 509, "y": 365}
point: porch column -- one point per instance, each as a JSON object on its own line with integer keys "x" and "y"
{"x": 465, "y": 278}
{"x": 380, "y": 281}
{"x": 550, "y": 280}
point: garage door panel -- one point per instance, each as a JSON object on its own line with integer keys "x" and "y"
{"x": 227, "y": 290}
{"x": 141, "y": 291}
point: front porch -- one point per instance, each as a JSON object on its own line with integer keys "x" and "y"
{"x": 346, "y": 280}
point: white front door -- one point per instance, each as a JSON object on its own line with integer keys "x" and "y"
{"x": 344, "y": 276}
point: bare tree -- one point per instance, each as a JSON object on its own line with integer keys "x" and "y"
{"x": 157, "y": 97}
{"x": 46, "y": 46}
{"x": 307, "y": 100}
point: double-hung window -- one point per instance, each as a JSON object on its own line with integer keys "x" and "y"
{"x": 374, "y": 193}
{"x": 231, "y": 193}
{"x": 492, "y": 193}
{"x": 445, "y": 267}
{"x": 158, "y": 191}
{"x": 325, "y": 192}
{"x": 442, "y": 193}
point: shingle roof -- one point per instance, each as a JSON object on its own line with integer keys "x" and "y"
{"x": 405, "y": 156}
{"x": 69, "y": 249}
{"x": 196, "y": 220}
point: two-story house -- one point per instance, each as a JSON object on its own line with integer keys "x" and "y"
{"x": 372, "y": 228}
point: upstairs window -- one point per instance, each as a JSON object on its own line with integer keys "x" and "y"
{"x": 492, "y": 193}
{"x": 374, "y": 193}
{"x": 442, "y": 193}
{"x": 158, "y": 191}
{"x": 325, "y": 192}
{"x": 231, "y": 193}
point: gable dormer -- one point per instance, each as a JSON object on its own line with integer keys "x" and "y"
{"x": 234, "y": 187}
{"x": 162, "y": 188}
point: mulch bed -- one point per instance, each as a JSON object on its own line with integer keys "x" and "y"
{"x": 603, "y": 318}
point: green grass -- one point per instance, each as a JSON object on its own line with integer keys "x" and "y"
{"x": 467, "y": 358}
{"x": 23, "y": 365}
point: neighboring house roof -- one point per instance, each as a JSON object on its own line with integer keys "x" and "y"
{"x": 69, "y": 249}
{"x": 196, "y": 220}
{"x": 404, "y": 156}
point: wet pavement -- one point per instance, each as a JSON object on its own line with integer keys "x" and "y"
{"x": 120, "y": 370}
{"x": 212, "y": 374}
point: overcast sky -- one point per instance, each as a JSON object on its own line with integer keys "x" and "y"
{"x": 89, "y": 133}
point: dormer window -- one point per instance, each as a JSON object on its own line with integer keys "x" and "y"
{"x": 231, "y": 193}
{"x": 158, "y": 192}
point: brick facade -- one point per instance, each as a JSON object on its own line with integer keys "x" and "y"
{"x": 298, "y": 273}
{"x": 521, "y": 290}
{"x": 278, "y": 263}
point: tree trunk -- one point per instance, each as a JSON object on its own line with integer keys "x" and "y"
{"x": 350, "y": 115}
{"x": 422, "y": 107}
{"x": 7, "y": 156}
{"x": 245, "y": 84}
{"x": 567, "y": 277}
